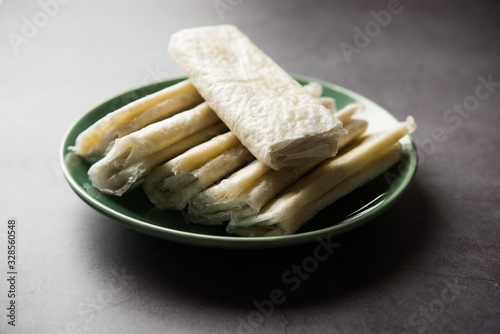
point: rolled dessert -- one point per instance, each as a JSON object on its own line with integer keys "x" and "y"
{"x": 134, "y": 155}
{"x": 291, "y": 224}
{"x": 238, "y": 196}
{"x": 120, "y": 170}
{"x": 244, "y": 192}
{"x": 325, "y": 177}
{"x": 173, "y": 184}
{"x": 275, "y": 117}
{"x": 99, "y": 137}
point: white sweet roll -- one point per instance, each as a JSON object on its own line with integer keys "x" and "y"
{"x": 269, "y": 111}
{"x": 98, "y": 138}
{"x": 132, "y": 149}
{"x": 173, "y": 184}
{"x": 246, "y": 191}
{"x": 118, "y": 177}
{"x": 290, "y": 225}
{"x": 326, "y": 176}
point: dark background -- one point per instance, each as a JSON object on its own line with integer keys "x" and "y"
{"x": 429, "y": 264}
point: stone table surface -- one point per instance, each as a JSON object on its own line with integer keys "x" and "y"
{"x": 429, "y": 264}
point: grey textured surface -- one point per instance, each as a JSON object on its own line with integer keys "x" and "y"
{"x": 430, "y": 264}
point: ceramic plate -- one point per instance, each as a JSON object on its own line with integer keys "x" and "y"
{"x": 134, "y": 210}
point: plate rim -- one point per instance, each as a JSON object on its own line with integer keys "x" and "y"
{"x": 216, "y": 241}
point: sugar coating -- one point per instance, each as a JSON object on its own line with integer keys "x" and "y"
{"x": 269, "y": 111}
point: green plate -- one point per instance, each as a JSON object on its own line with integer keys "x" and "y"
{"x": 134, "y": 210}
